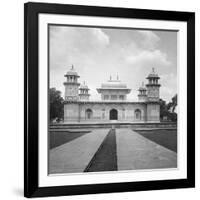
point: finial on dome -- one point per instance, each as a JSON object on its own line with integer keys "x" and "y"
{"x": 117, "y": 77}
{"x": 110, "y": 77}
{"x": 142, "y": 84}
{"x": 153, "y": 70}
{"x": 72, "y": 67}
{"x": 83, "y": 82}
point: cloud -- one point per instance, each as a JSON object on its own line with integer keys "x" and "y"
{"x": 69, "y": 43}
{"x": 167, "y": 92}
{"x": 143, "y": 51}
{"x": 168, "y": 86}
{"x": 149, "y": 39}
{"x": 100, "y": 37}
{"x": 170, "y": 76}
{"x": 145, "y": 58}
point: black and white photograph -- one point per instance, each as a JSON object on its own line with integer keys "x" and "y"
{"x": 112, "y": 99}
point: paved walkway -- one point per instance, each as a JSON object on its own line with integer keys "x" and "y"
{"x": 75, "y": 155}
{"x": 136, "y": 152}
{"x": 133, "y": 152}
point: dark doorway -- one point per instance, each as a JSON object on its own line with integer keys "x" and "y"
{"x": 113, "y": 114}
{"x": 138, "y": 114}
{"x": 88, "y": 113}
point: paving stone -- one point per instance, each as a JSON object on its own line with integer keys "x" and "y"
{"x": 75, "y": 155}
{"x": 136, "y": 152}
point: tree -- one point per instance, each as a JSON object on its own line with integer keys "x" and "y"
{"x": 167, "y": 110}
{"x": 172, "y": 105}
{"x": 173, "y": 116}
{"x": 56, "y": 105}
{"x": 174, "y": 102}
{"x": 163, "y": 109}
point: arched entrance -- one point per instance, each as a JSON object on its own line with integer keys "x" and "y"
{"x": 138, "y": 114}
{"x": 88, "y": 113}
{"x": 113, "y": 114}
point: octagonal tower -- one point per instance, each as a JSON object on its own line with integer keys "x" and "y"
{"x": 71, "y": 85}
{"x": 153, "y": 87}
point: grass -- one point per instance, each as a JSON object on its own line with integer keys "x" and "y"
{"x": 166, "y": 138}
{"x": 57, "y": 138}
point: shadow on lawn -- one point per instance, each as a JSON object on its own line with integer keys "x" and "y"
{"x": 57, "y": 138}
{"x": 166, "y": 138}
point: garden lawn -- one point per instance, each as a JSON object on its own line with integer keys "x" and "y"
{"x": 166, "y": 138}
{"x": 57, "y": 138}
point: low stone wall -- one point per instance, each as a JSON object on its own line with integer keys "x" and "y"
{"x": 136, "y": 126}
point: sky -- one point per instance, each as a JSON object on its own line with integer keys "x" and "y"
{"x": 98, "y": 53}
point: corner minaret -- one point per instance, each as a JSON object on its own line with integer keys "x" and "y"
{"x": 71, "y": 85}
{"x": 84, "y": 95}
{"x": 142, "y": 96}
{"x": 153, "y": 87}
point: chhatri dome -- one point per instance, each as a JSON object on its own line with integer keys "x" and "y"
{"x": 113, "y": 90}
{"x": 72, "y": 72}
{"x": 114, "y": 84}
{"x": 84, "y": 95}
{"x": 142, "y": 87}
{"x": 84, "y": 86}
{"x": 153, "y": 75}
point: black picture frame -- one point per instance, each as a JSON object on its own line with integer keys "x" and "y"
{"x": 31, "y": 185}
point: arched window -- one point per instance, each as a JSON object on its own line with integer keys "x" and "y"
{"x": 123, "y": 113}
{"x": 88, "y": 113}
{"x": 138, "y": 114}
{"x": 103, "y": 113}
